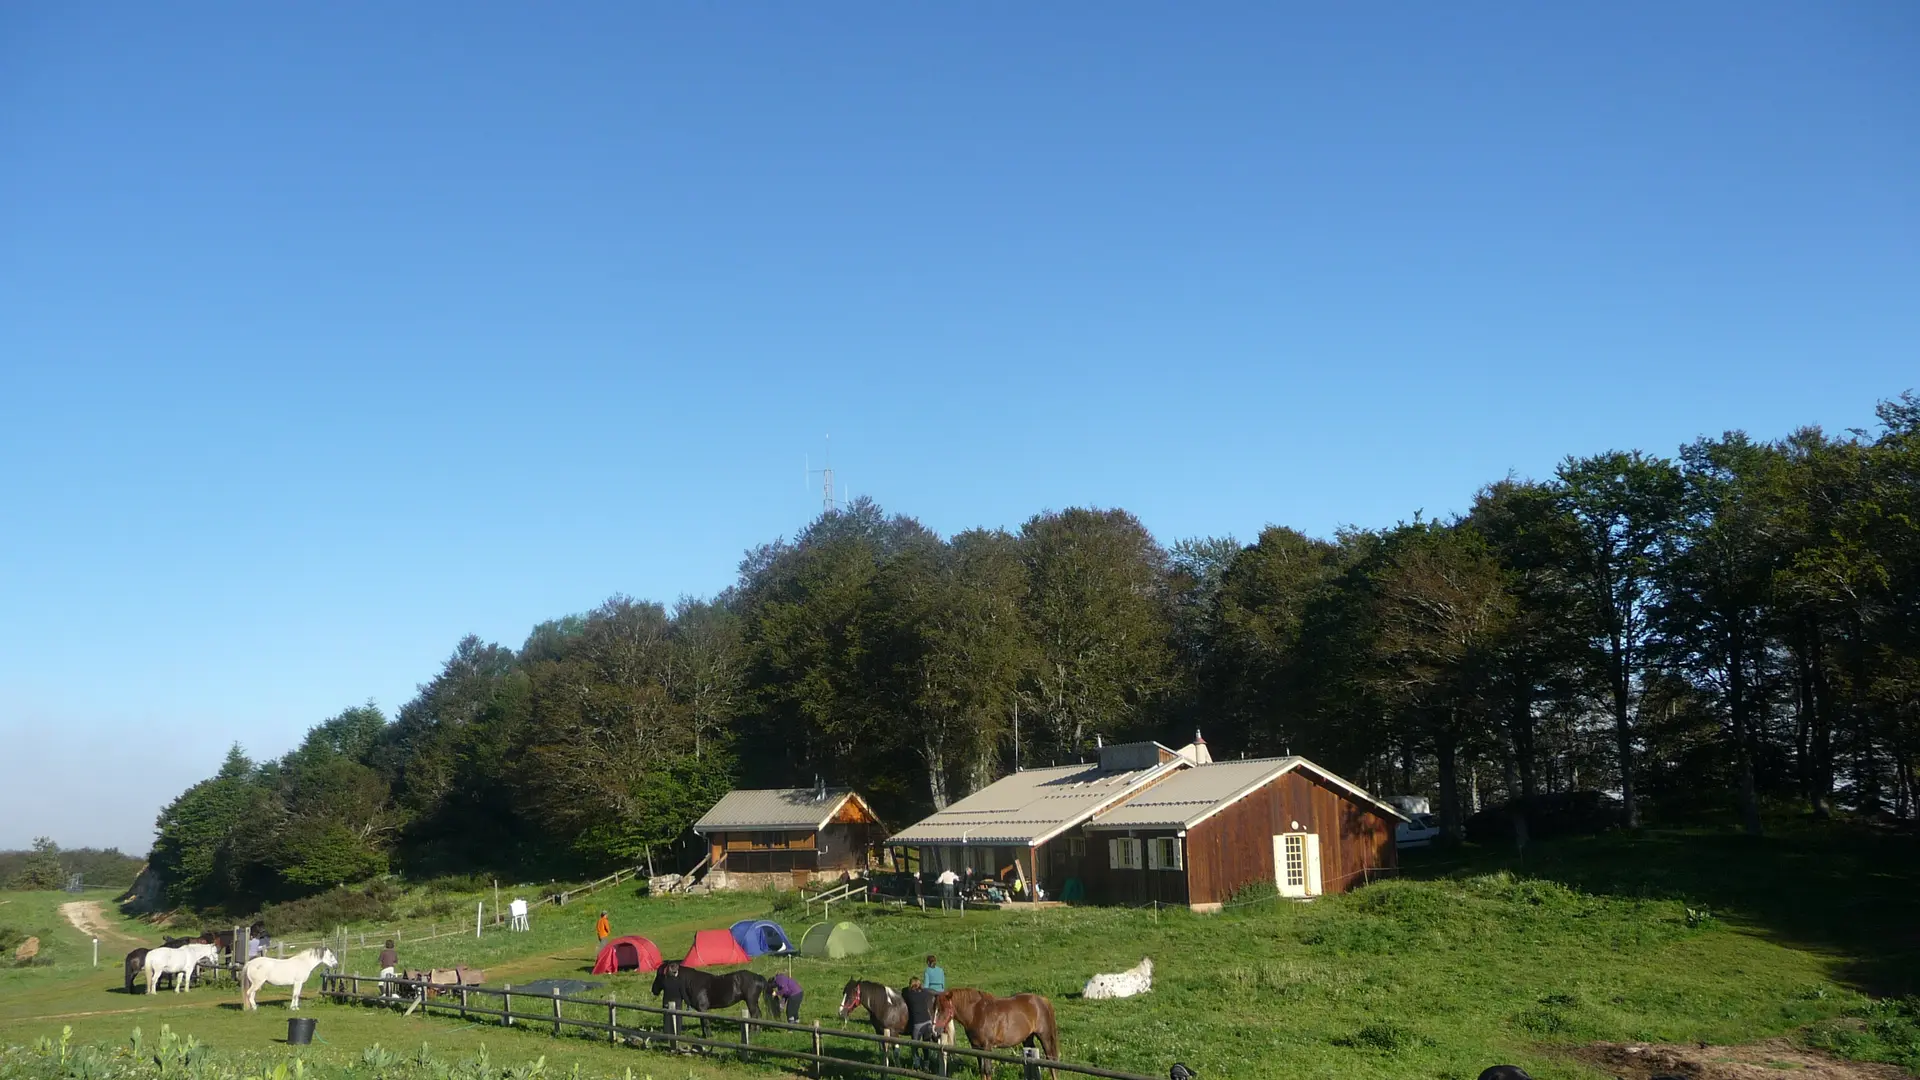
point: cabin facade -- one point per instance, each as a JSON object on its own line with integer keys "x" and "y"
{"x": 1147, "y": 824}
{"x": 787, "y": 838}
{"x": 1216, "y": 829}
{"x": 1027, "y": 826}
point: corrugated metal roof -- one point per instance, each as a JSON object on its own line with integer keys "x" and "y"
{"x": 773, "y": 808}
{"x": 1030, "y": 806}
{"x": 1183, "y": 801}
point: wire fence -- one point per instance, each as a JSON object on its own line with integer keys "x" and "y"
{"x": 442, "y": 927}
{"x": 647, "y": 1026}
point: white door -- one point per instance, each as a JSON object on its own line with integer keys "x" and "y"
{"x": 1296, "y": 864}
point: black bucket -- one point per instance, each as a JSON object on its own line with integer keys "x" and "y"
{"x": 300, "y": 1031}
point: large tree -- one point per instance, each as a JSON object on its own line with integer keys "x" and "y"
{"x": 1623, "y": 507}
{"x": 1097, "y": 604}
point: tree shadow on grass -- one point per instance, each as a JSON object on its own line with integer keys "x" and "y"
{"x": 1845, "y": 889}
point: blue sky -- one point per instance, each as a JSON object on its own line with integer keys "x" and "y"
{"x": 330, "y": 334}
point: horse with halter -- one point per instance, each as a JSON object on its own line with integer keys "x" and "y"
{"x": 886, "y": 1010}
{"x": 178, "y": 962}
{"x": 292, "y": 971}
{"x": 136, "y": 961}
{"x": 993, "y": 1023}
{"x": 705, "y": 991}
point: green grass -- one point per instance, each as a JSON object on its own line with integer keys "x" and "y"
{"x": 1468, "y": 961}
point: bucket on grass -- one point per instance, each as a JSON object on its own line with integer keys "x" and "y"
{"x": 300, "y": 1031}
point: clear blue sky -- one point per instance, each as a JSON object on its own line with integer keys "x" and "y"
{"x": 331, "y": 333}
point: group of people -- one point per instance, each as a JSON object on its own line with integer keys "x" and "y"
{"x": 958, "y": 886}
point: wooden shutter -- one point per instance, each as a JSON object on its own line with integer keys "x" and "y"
{"x": 1153, "y": 854}
{"x": 1313, "y": 864}
{"x": 1178, "y": 861}
{"x": 1115, "y": 860}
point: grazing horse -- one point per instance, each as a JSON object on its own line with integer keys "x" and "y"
{"x": 293, "y": 971}
{"x": 178, "y": 962}
{"x": 995, "y": 1023}
{"x": 706, "y": 992}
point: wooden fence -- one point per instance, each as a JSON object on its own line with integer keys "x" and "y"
{"x": 618, "y": 1021}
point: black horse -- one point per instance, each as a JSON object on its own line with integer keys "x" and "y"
{"x": 704, "y": 991}
{"x": 137, "y": 961}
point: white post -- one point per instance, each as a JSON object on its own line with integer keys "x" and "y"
{"x": 96, "y": 952}
{"x": 479, "y": 913}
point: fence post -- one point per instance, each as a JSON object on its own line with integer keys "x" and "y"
{"x": 356, "y": 984}
{"x": 613, "y": 1021}
{"x": 463, "y": 1003}
{"x": 506, "y": 1006}
{"x": 746, "y": 1034}
{"x": 556, "y": 1012}
{"x": 816, "y": 1050}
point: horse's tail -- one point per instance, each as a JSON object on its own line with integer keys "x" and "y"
{"x": 1048, "y": 1032}
{"x": 247, "y": 986}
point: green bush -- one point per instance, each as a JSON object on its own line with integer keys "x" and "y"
{"x": 335, "y": 907}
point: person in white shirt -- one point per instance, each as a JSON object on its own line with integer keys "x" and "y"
{"x": 947, "y": 879}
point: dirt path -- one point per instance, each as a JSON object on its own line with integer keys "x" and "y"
{"x": 88, "y": 918}
{"x": 1755, "y": 1061}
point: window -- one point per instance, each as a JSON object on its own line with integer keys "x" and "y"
{"x": 1123, "y": 853}
{"x": 1163, "y": 853}
{"x": 1296, "y": 864}
{"x": 1077, "y": 847}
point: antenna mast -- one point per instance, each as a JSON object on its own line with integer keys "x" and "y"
{"x": 827, "y": 505}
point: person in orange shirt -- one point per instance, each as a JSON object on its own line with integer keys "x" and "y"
{"x": 603, "y": 928}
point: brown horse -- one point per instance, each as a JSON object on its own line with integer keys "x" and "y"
{"x": 995, "y": 1023}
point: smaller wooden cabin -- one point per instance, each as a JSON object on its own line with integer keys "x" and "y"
{"x": 1204, "y": 833}
{"x": 785, "y": 838}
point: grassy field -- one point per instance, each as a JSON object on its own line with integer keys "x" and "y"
{"x": 1470, "y": 960}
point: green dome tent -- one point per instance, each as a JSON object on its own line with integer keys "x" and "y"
{"x": 831, "y": 941}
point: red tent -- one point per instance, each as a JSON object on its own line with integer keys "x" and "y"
{"x": 627, "y": 954}
{"x": 712, "y": 948}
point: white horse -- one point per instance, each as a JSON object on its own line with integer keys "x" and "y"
{"x": 293, "y": 971}
{"x": 1137, "y": 980}
{"x": 179, "y": 963}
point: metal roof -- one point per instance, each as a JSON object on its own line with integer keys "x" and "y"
{"x": 774, "y": 808}
{"x": 1032, "y": 806}
{"x": 1185, "y": 800}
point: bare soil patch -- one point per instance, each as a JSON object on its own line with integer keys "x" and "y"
{"x": 88, "y": 918}
{"x": 1774, "y": 1059}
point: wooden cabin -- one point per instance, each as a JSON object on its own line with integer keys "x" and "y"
{"x": 1206, "y": 833}
{"x": 786, "y": 838}
{"x": 1016, "y": 828}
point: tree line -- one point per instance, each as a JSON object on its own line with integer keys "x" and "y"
{"x": 46, "y": 865}
{"x": 1694, "y": 635}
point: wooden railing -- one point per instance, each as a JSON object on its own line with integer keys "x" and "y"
{"x": 649, "y": 1025}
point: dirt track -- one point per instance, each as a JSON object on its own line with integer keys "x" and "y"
{"x": 1755, "y": 1061}
{"x": 87, "y": 917}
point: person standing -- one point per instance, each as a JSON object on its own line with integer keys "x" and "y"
{"x": 671, "y": 985}
{"x": 602, "y": 928}
{"x": 919, "y": 891}
{"x": 786, "y": 991}
{"x": 947, "y": 880}
{"x": 389, "y": 960}
{"x": 920, "y": 1002}
{"x": 934, "y": 978}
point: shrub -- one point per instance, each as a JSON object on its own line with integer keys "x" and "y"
{"x": 335, "y": 907}
{"x": 1384, "y": 1035}
{"x": 1564, "y": 813}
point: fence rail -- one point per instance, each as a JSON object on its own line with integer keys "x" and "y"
{"x": 549, "y": 1010}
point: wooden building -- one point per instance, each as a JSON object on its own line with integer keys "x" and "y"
{"x": 1024, "y": 826}
{"x": 788, "y": 837}
{"x": 1148, "y": 824}
{"x": 1207, "y": 832}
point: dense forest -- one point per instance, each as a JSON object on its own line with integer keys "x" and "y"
{"x": 1696, "y": 635}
